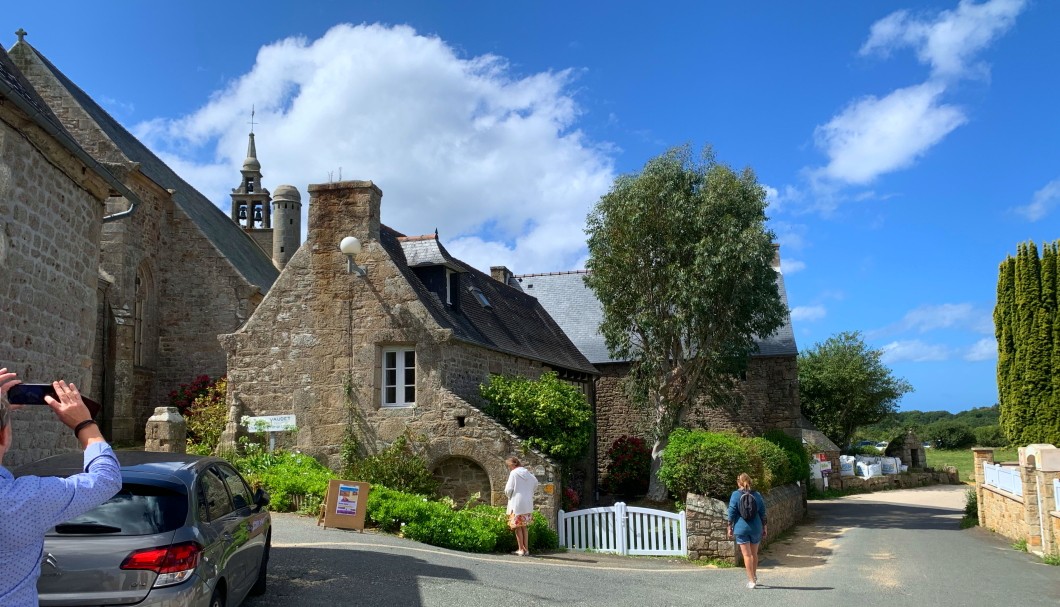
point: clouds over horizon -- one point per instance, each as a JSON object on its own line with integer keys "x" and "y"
{"x": 876, "y": 135}
{"x": 1042, "y": 203}
{"x": 493, "y": 160}
{"x": 957, "y": 319}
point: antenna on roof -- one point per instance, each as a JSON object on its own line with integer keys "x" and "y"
{"x": 252, "y": 123}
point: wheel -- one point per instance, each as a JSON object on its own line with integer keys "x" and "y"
{"x": 259, "y": 585}
{"x": 218, "y": 598}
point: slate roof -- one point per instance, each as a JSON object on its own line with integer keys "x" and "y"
{"x": 576, "y": 309}
{"x": 225, "y": 235}
{"x": 515, "y": 323}
{"x": 12, "y": 81}
{"x": 427, "y": 251}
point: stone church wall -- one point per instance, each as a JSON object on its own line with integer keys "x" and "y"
{"x": 313, "y": 348}
{"x": 771, "y": 400}
{"x": 49, "y": 252}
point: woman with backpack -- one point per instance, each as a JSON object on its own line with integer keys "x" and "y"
{"x": 747, "y": 521}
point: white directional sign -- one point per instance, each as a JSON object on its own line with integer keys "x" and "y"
{"x": 270, "y": 423}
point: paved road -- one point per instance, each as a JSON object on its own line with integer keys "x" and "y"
{"x": 893, "y": 549}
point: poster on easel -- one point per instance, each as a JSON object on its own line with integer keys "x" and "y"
{"x": 346, "y": 505}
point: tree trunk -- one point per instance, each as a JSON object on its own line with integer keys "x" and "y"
{"x": 656, "y": 489}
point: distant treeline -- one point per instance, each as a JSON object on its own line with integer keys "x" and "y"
{"x": 947, "y": 430}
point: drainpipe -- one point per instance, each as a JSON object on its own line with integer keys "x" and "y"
{"x": 41, "y": 119}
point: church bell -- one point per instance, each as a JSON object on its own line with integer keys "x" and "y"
{"x": 242, "y": 212}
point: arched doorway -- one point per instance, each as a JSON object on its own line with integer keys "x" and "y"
{"x": 461, "y": 478}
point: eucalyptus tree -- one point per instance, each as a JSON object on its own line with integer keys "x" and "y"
{"x": 681, "y": 260}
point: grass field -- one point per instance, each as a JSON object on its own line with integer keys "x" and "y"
{"x": 962, "y": 458}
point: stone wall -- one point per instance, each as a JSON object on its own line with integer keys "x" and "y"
{"x": 708, "y": 523}
{"x": 1005, "y": 513}
{"x": 770, "y": 393}
{"x": 314, "y": 348}
{"x": 192, "y": 293}
{"x": 50, "y": 217}
{"x": 1030, "y": 517}
{"x": 903, "y": 480}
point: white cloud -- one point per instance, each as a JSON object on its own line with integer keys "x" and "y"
{"x": 1043, "y": 201}
{"x": 877, "y": 135}
{"x": 808, "y": 313}
{"x": 984, "y": 349}
{"x": 948, "y": 42}
{"x": 492, "y": 159}
{"x": 873, "y": 136}
{"x": 790, "y": 266}
{"x": 913, "y": 350}
{"x": 945, "y": 316}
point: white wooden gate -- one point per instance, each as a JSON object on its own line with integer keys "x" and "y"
{"x": 624, "y": 529}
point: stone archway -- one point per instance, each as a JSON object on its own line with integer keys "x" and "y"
{"x": 461, "y": 478}
{"x": 467, "y": 465}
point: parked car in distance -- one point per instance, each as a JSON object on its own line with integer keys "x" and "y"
{"x": 184, "y": 530}
{"x": 927, "y": 445}
{"x": 882, "y": 445}
{"x": 864, "y": 443}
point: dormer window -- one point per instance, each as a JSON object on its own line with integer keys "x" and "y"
{"x": 449, "y": 286}
{"x": 481, "y": 297}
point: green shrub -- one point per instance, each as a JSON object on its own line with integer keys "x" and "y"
{"x": 397, "y": 467}
{"x": 990, "y": 436}
{"x": 971, "y": 510}
{"x": 206, "y": 417}
{"x": 628, "y": 467}
{"x": 284, "y": 475}
{"x": 773, "y": 461}
{"x": 703, "y": 462}
{"x": 949, "y": 435}
{"x": 476, "y": 529}
{"x": 798, "y": 457}
{"x": 554, "y": 417}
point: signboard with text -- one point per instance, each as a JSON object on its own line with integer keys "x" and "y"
{"x": 270, "y": 423}
{"x": 346, "y": 504}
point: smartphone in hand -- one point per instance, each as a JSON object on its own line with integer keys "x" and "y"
{"x": 33, "y": 394}
{"x": 30, "y": 394}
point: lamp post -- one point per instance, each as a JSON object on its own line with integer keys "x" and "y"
{"x": 351, "y": 246}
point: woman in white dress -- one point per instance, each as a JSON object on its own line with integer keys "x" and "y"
{"x": 520, "y": 492}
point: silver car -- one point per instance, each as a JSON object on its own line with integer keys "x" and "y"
{"x": 183, "y": 530}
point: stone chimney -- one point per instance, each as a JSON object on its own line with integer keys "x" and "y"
{"x": 501, "y": 274}
{"x": 776, "y": 257}
{"x": 341, "y": 209}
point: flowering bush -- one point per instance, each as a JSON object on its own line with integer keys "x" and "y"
{"x": 206, "y": 416}
{"x": 571, "y": 499}
{"x": 629, "y": 468}
{"x": 184, "y": 396}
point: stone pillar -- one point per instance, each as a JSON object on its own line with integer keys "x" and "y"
{"x": 980, "y": 455}
{"x": 124, "y": 425}
{"x": 166, "y": 431}
{"x": 1044, "y": 480}
{"x": 1031, "y": 511}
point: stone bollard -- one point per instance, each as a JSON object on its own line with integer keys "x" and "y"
{"x": 166, "y": 431}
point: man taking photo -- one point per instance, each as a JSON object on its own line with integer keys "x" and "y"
{"x": 31, "y": 505}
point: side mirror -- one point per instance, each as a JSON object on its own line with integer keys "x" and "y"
{"x": 261, "y": 498}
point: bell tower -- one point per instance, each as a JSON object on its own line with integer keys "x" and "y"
{"x": 250, "y": 201}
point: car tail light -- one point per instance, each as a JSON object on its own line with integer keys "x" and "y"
{"x": 173, "y": 564}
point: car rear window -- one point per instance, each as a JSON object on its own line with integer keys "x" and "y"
{"x": 136, "y": 510}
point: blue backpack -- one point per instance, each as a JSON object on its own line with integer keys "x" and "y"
{"x": 747, "y": 506}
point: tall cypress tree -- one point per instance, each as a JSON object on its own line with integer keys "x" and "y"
{"x": 1027, "y": 327}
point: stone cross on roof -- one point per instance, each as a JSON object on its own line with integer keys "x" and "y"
{"x": 21, "y": 33}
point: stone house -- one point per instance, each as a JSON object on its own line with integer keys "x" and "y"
{"x": 769, "y": 387}
{"x": 396, "y": 341}
{"x": 53, "y": 208}
{"x": 166, "y": 281}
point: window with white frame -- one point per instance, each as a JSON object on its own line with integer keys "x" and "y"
{"x": 399, "y": 377}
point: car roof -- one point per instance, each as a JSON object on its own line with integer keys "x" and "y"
{"x": 133, "y": 463}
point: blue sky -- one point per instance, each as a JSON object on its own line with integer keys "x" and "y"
{"x": 907, "y": 146}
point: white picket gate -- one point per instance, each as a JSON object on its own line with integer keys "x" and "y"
{"x": 624, "y": 529}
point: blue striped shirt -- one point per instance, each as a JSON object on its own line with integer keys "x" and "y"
{"x": 30, "y": 505}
